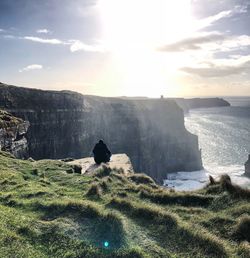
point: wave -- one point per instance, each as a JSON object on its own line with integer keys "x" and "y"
{"x": 224, "y": 137}
{"x": 188, "y": 181}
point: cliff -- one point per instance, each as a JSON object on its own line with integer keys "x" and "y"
{"x": 67, "y": 124}
{"x": 247, "y": 167}
{"x": 12, "y": 135}
{"x": 187, "y": 104}
{"x": 192, "y": 103}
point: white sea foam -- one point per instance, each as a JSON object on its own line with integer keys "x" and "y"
{"x": 224, "y": 137}
{"x": 188, "y": 181}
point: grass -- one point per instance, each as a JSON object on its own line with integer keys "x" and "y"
{"x": 48, "y": 210}
{"x": 242, "y": 229}
{"x": 8, "y": 121}
{"x": 145, "y": 212}
{"x": 95, "y": 190}
{"x": 172, "y": 198}
{"x": 141, "y": 179}
{"x": 234, "y": 190}
{"x": 103, "y": 171}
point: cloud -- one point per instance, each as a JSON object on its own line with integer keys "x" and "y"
{"x": 212, "y": 42}
{"x": 241, "y": 8}
{"x": 215, "y": 40}
{"x": 77, "y": 45}
{"x": 192, "y": 43}
{"x": 31, "y": 67}
{"x": 74, "y": 45}
{"x": 45, "y": 31}
{"x": 235, "y": 42}
{"x": 214, "y": 71}
{"x": 8, "y": 36}
{"x": 45, "y": 41}
{"x": 210, "y": 20}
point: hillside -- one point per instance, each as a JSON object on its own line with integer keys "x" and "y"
{"x": 47, "y": 210}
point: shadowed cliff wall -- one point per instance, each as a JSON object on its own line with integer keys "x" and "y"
{"x": 12, "y": 135}
{"x": 68, "y": 124}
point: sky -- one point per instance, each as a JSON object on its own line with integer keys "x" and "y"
{"x": 179, "y": 48}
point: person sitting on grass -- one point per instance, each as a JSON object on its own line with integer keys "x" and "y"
{"x": 101, "y": 153}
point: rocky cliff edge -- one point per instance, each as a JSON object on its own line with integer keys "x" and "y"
{"x": 118, "y": 161}
{"x": 68, "y": 124}
{"x": 12, "y": 135}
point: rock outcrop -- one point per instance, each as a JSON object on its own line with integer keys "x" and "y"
{"x": 117, "y": 161}
{"x": 67, "y": 124}
{"x": 12, "y": 135}
{"x": 247, "y": 167}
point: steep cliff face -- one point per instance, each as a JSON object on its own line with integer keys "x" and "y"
{"x": 247, "y": 167}
{"x": 12, "y": 135}
{"x": 192, "y": 103}
{"x": 187, "y": 104}
{"x": 67, "y": 124}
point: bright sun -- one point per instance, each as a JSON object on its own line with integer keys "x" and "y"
{"x": 132, "y": 30}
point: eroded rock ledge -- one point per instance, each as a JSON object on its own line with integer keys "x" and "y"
{"x": 12, "y": 135}
{"x": 118, "y": 161}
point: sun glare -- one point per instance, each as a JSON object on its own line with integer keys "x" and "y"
{"x": 132, "y": 30}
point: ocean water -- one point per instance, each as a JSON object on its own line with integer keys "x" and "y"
{"x": 224, "y": 138}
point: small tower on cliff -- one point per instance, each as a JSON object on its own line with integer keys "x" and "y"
{"x": 247, "y": 167}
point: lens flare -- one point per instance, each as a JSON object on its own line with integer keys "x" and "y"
{"x": 106, "y": 244}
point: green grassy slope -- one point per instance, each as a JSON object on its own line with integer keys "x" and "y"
{"x": 46, "y": 211}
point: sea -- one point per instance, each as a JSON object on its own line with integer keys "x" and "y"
{"x": 224, "y": 139}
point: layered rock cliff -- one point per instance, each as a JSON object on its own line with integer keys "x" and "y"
{"x": 187, "y": 104}
{"x": 68, "y": 124}
{"x": 247, "y": 167}
{"x": 192, "y": 103}
{"x": 12, "y": 135}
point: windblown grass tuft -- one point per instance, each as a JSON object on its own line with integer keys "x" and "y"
{"x": 94, "y": 190}
{"x": 144, "y": 211}
{"x": 187, "y": 199}
{"x": 234, "y": 190}
{"x": 242, "y": 229}
{"x": 103, "y": 171}
{"x": 141, "y": 179}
